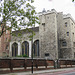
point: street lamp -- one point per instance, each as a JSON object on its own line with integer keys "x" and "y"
{"x": 32, "y": 49}
{"x": 33, "y": 25}
{"x": 32, "y": 45}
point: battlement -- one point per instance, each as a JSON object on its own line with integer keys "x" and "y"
{"x": 48, "y": 11}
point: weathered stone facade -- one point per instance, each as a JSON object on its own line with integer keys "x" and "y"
{"x": 56, "y": 36}
{"x": 24, "y": 37}
{"x": 48, "y": 35}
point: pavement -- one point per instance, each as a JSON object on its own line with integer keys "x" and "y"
{"x": 40, "y": 72}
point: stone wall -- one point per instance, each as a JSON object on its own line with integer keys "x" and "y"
{"x": 24, "y": 37}
{"x": 48, "y": 36}
{"x": 66, "y": 53}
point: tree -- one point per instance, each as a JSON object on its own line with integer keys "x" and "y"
{"x": 17, "y": 14}
{"x": 72, "y": 0}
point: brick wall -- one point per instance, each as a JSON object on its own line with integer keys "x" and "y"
{"x": 4, "y": 43}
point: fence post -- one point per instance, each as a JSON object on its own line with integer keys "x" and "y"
{"x": 46, "y": 63}
{"x": 71, "y": 63}
{"x": 11, "y": 65}
{"x": 25, "y": 64}
{"x": 36, "y": 63}
{"x": 58, "y": 63}
{"x": 66, "y": 62}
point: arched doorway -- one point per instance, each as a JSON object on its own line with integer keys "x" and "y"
{"x": 25, "y": 48}
{"x": 14, "y": 49}
{"x": 36, "y": 48}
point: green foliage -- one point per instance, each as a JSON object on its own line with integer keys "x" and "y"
{"x": 19, "y": 34}
{"x": 19, "y": 13}
{"x": 25, "y": 55}
{"x": 72, "y": 0}
{"x": 22, "y": 55}
{"x": 19, "y": 56}
{"x": 30, "y": 36}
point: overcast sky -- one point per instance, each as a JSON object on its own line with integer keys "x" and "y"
{"x": 65, "y": 6}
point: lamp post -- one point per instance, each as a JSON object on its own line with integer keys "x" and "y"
{"x": 33, "y": 25}
{"x": 32, "y": 49}
{"x": 32, "y": 45}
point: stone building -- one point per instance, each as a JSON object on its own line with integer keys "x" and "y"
{"x": 54, "y": 39}
{"x": 22, "y": 45}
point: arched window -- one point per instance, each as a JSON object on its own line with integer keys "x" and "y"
{"x": 25, "y": 48}
{"x": 14, "y": 49}
{"x": 36, "y": 48}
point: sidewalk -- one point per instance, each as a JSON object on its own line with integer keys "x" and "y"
{"x": 38, "y": 72}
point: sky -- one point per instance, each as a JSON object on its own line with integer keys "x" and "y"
{"x": 65, "y": 6}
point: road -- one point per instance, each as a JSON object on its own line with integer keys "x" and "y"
{"x": 70, "y": 72}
